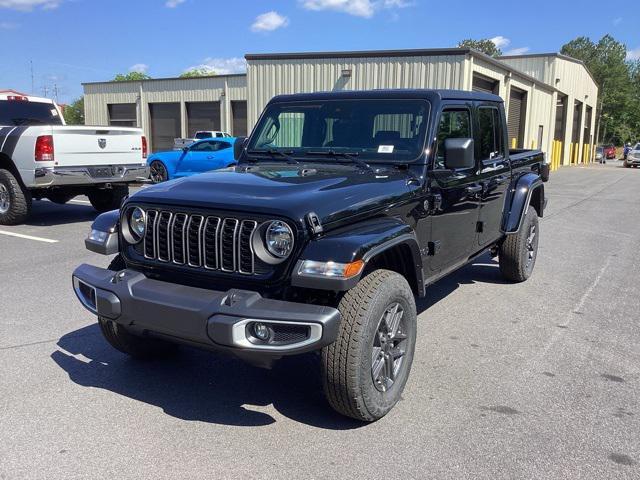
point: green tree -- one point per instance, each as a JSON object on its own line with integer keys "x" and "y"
{"x": 483, "y": 45}
{"x": 123, "y": 77}
{"x": 606, "y": 62}
{"x": 74, "y": 112}
{"x": 198, "y": 72}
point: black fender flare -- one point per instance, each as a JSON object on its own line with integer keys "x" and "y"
{"x": 361, "y": 241}
{"x": 528, "y": 191}
{"x": 109, "y": 223}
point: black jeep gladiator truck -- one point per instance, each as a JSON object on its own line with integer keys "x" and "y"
{"x": 342, "y": 209}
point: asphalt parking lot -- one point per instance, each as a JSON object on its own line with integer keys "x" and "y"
{"x": 535, "y": 380}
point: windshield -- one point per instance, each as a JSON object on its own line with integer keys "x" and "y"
{"x": 378, "y": 130}
{"x": 20, "y": 112}
{"x": 637, "y": 147}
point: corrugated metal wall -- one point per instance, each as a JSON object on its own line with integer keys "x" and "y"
{"x": 223, "y": 89}
{"x": 267, "y": 78}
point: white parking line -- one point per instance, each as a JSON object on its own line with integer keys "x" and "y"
{"x": 83, "y": 202}
{"x": 27, "y": 237}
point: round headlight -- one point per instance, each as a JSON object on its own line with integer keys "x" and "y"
{"x": 137, "y": 224}
{"x": 279, "y": 239}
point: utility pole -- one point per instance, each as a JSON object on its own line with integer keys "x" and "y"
{"x": 55, "y": 91}
{"x": 45, "y": 89}
{"x": 33, "y": 84}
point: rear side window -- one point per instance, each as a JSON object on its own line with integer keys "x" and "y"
{"x": 453, "y": 124}
{"x": 489, "y": 133}
{"x": 19, "y": 112}
{"x": 201, "y": 135}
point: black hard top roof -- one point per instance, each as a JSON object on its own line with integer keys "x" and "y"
{"x": 409, "y": 93}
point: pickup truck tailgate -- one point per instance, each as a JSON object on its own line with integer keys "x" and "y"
{"x": 85, "y": 146}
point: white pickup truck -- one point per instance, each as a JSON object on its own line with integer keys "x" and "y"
{"x": 41, "y": 157}
{"x": 180, "y": 143}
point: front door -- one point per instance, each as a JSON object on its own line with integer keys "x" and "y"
{"x": 455, "y": 194}
{"x": 495, "y": 172}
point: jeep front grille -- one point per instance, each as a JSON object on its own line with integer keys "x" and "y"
{"x": 199, "y": 241}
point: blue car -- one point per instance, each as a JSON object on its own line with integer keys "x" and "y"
{"x": 201, "y": 156}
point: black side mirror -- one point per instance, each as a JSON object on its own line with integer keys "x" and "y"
{"x": 458, "y": 153}
{"x": 238, "y": 146}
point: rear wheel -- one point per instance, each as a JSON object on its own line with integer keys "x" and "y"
{"x": 519, "y": 251}
{"x": 122, "y": 340}
{"x": 15, "y": 200}
{"x": 105, "y": 199}
{"x": 158, "y": 172}
{"x": 365, "y": 370}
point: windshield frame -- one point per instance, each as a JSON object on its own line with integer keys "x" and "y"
{"x": 341, "y": 153}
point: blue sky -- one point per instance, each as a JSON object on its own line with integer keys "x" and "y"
{"x": 75, "y": 41}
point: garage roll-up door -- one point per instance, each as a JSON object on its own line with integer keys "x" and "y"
{"x": 484, "y": 84}
{"x": 202, "y": 116}
{"x": 165, "y": 125}
{"x": 516, "y": 117}
{"x": 239, "y": 113}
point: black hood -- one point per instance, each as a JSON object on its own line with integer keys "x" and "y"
{"x": 333, "y": 192}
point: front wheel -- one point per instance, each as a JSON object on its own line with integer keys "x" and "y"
{"x": 365, "y": 370}
{"x": 158, "y": 172}
{"x": 519, "y": 251}
{"x": 107, "y": 199}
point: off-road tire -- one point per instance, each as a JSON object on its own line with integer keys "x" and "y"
{"x": 346, "y": 364}
{"x": 104, "y": 200}
{"x": 133, "y": 345}
{"x": 516, "y": 264}
{"x": 19, "y": 199}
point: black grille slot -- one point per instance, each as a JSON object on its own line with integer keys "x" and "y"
{"x": 194, "y": 229}
{"x": 211, "y": 242}
{"x": 164, "y": 219}
{"x": 178, "y": 237}
{"x": 228, "y": 244}
{"x": 284, "y": 334}
{"x": 245, "y": 250}
{"x": 149, "y": 244}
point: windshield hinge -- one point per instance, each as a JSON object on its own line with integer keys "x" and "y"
{"x": 313, "y": 222}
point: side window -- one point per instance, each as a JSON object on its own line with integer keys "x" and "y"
{"x": 490, "y": 133}
{"x": 223, "y": 145}
{"x": 453, "y": 124}
{"x": 205, "y": 147}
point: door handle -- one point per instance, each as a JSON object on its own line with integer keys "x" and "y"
{"x": 210, "y": 157}
{"x": 474, "y": 189}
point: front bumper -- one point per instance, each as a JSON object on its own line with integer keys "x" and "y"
{"x": 632, "y": 161}
{"x": 206, "y": 318}
{"x": 61, "y": 176}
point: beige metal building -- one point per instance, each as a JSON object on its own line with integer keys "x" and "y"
{"x": 538, "y": 91}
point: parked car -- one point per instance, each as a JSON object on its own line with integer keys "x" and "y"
{"x": 610, "y": 152}
{"x": 633, "y": 157}
{"x": 600, "y": 155}
{"x": 41, "y": 157}
{"x": 201, "y": 156}
{"x": 321, "y": 238}
{"x": 180, "y": 143}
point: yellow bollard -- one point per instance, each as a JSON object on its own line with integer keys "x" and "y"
{"x": 514, "y": 143}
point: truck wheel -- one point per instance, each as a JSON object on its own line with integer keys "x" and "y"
{"x": 518, "y": 251}
{"x": 158, "y": 172}
{"x": 107, "y": 199}
{"x": 120, "y": 339}
{"x": 365, "y": 370}
{"x": 15, "y": 200}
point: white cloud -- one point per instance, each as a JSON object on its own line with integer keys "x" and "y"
{"x": 173, "y": 3}
{"x": 517, "y": 51}
{"x": 139, "y": 67}
{"x": 8, "y": 26}
{"x": 358, "y": 8}
{"x": 29, "y": 5}
{"x": 633, "y": 54}
{"x": 268, "y": 22}
{"x": 500, "y": 41}
{"x": 222, "y": 66}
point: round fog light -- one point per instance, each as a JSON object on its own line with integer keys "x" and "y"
{"x": 261, "y": 331}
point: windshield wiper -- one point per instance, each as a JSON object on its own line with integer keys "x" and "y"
{"x": 353, "y": 156}
{"x": 272, "y": 152}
